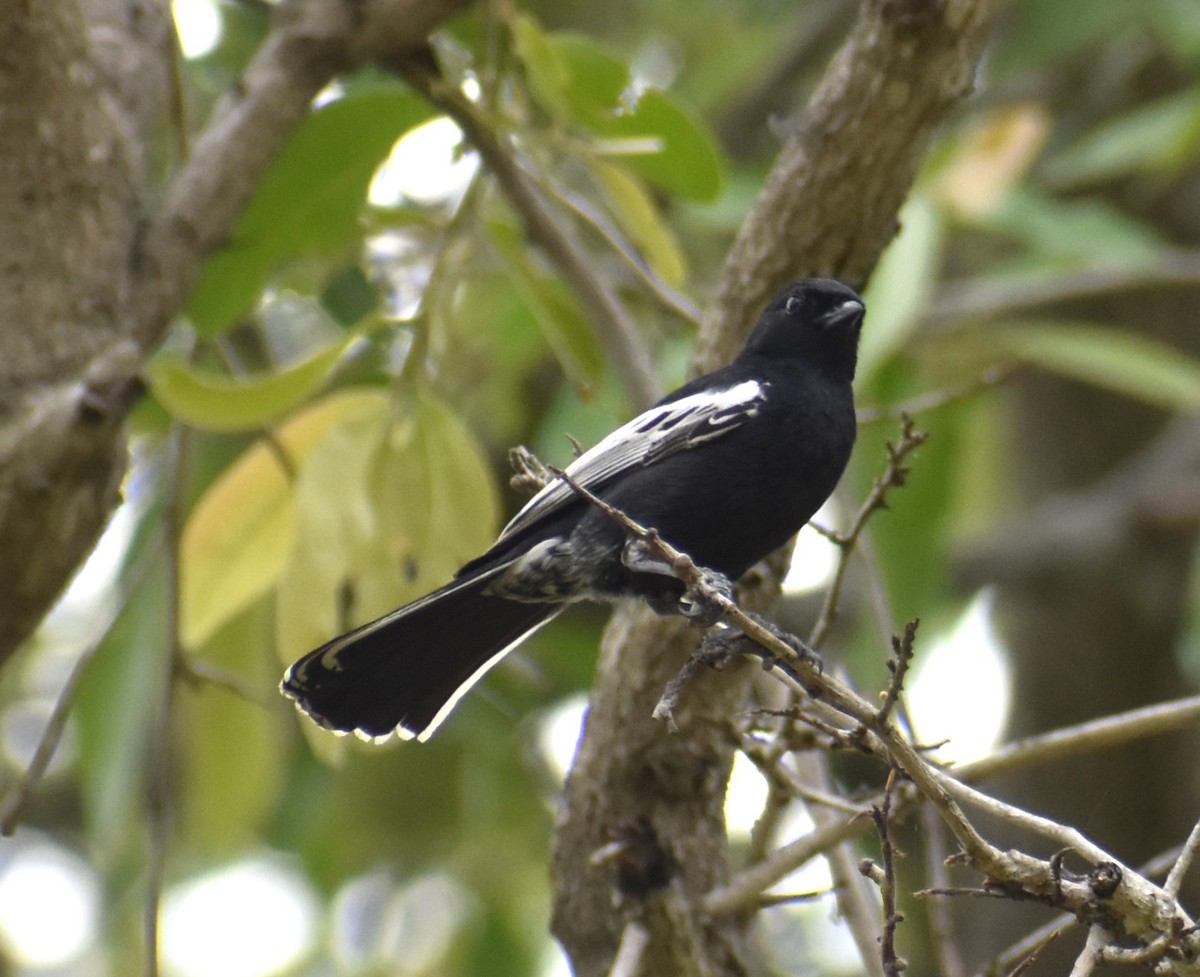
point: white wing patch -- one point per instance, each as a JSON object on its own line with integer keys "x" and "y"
{"x": 661, "y": 431}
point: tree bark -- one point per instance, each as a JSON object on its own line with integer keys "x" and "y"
{"x": 96, "y": 264}
{"x": 73, "y": 172}
{"x": 829, "y": 207}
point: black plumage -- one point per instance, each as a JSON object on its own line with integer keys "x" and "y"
{"x": 727, "y": 468}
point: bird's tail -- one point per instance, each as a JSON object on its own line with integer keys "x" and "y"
{"x": 404, "y": 672}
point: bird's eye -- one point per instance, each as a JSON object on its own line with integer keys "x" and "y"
{"x": 792, "y": 305}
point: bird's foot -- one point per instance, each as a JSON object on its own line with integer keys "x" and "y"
{"x": 728, "y": 641}
{"x": 703, "y": 602}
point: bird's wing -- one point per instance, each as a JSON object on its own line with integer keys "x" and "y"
{"x": 675, "y": 425}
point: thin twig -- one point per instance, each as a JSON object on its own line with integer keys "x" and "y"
{"x": 940, "y": 921}
{"x": 893, "y": 965}
{"x": 1152, "y": 952}
{"x": 627, "y": 962}
{"x": 894, "y": 475}
{"x": 1174, "y": 880}
{"x": 160, "y": 800}
{"x": 1082, "y": 738}
{"x": 17, "y": 796}
{"x": 197, "y": 670}
{"x": 744, "y": 889}
{"x": 1089, "y": 956}
{"x": 898, "y": 664}
{"x": 991, "y": 377}
{"x": 856, "y": 900}
{"x": 1031, "y": 957}
{"x": 769, "y": 899}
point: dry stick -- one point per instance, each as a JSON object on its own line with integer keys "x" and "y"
{"x": 1031, "y": 957}
{"x": 1089, "y": 956}
{"x": 856, "y": 901}
{"x": 898, "y": 664}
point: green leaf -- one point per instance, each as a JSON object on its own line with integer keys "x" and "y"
{"x": 435, "y": 495}
{"x": 230, "y": 745}
{"x": 640, "y": 220}
{"x": 335, "y": 519}
{"x": 554, "y": 308}
{"x": 129, "y": 670}
{"x": 571, "y": 77}
{"x": 236, "y": 539}
{"x": 1075, "y": 230}
{"x": 545, "y": 69}
{"x": 1120, "y": 361}
{"x": 578, "y": 81}
{"x": 392, "y": 507}
{"x": 686, "y": 161}
{"x": 221, "y": 403}
{"x": 308, "y": 202}
{"x": 597, "y": 79}
{"x": 1157, "y": 136}
{"x": 1043, "y": 32}
{"x": 900, "y": 285}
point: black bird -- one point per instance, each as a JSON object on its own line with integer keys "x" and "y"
{"x": 727, "y": 469}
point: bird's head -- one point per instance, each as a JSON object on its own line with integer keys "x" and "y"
{"x": 815, "y": 319}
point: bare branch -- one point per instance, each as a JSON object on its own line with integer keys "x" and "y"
{"x": 1072, "y": 741}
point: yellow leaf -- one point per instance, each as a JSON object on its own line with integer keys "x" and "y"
{"x": 640, "y": 219}
{"x": 237, "y": 537}
{"x": 387, "y": 507}
{"x": 992, "y": 157}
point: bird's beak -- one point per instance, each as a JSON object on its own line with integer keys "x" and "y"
{"x": 849, "y": 311}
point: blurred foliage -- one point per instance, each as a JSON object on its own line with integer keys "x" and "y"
{"x": 337, "y": 470}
